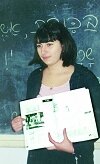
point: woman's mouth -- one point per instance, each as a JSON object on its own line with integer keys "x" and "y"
{"x": 45, "y": 57}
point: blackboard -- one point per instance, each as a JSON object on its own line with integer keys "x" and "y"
{"x": 19, "y": 20}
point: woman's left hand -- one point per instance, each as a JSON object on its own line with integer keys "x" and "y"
{"x": 66, "y": 145}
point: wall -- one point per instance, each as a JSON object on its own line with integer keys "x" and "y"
{"x": 13, "y": 156}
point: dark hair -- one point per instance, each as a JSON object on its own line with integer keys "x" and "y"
{"x": 51, "y": 31}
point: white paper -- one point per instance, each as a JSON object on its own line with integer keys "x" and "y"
{"x": 71, "y": 110}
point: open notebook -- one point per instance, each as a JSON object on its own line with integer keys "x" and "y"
{"x": 71, "y": 110}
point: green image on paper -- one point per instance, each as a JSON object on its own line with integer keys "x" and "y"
{"x": 34, "y": 120}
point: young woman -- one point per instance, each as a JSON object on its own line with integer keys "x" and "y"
{"x": 56, "y": 52}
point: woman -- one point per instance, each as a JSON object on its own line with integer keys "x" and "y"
{"x": 56, "y": 52}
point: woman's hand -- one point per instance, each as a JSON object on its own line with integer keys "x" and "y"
{"x": 17, "y": 123}
{"x": 66, "y": 145}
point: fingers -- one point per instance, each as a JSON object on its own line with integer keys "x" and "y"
{"x": 66, "y": 145}
{"x": 54, "y": 142}
{"x": 17, "y": 123}
{"x": 65, "y": 134}
{"x": 51, "y": 139}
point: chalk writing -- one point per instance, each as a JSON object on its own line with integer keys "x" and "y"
{"x": 98, "y": 79}
{"x": 12, "y": 28}
{"x": 14, "y": 114}
{"x": 6, "y": 61}
{"x": 74, "y": 24}
{"x": 90, "y": 23}
{"x": 82, "y": 56}
{"x": 88, "y": 54}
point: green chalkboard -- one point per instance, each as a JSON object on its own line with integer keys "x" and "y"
{"x": 19, "y": 20}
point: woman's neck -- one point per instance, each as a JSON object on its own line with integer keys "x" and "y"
{"x": 56, "y": 68}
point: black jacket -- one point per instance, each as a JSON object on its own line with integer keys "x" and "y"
{"x": 82, "y": 77}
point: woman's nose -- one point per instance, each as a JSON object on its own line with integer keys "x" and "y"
{"x": 43, "y": 49}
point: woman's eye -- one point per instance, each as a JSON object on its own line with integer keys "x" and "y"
{"x": 38, "y": 45}
{"x": 49, "y": 44}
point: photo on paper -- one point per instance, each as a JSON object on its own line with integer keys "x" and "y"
{"x": 34, "y": 120}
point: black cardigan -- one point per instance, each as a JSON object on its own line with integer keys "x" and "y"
{"x": 82, "y": 77}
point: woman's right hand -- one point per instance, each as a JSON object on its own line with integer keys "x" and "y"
{"x": 17, "y": 123}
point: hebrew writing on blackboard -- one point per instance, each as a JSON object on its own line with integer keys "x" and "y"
{"x": 19, "y": 21}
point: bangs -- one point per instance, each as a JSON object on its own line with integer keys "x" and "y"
{"x": 44, "y": 35}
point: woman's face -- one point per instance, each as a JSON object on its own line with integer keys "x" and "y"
{"x": 50, "y": 52}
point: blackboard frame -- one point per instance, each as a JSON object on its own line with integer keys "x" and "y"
{"x": 17, "y": 141}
